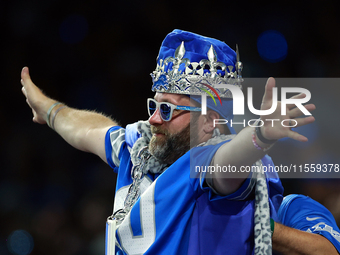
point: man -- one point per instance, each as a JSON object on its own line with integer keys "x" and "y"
{"x": 156, "y": 192}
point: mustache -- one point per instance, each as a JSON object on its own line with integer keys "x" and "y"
{"x": 158, "y": 130}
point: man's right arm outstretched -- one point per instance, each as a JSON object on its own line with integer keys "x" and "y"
{"x": 84, "y": 130}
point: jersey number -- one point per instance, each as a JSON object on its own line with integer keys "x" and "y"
{"x": 139, "y": 241}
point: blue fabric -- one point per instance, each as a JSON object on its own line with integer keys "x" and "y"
{"x": 196, "y": 48}
{"x": 108, "y": 148}
{"x": 174, "y": 195}
{"x": 221, "y": 226}
{"x": 303, "y": 213}
{"x": 198, "y": 158}
{"x": 131, "y": 134}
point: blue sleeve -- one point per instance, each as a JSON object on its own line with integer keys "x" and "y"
{"x": 303, "y": 213}
{"x": 202, "y": 157}
{"x": 114, "y": 139}
{"x": 131, "y": 134}
{"x": 118, "y": 139}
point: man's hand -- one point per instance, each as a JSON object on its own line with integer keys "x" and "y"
{"x": 84, "y": 130}
{"x": 240, "y": 151}
{"x": 35, "y": 98}
{"x": 274, "y": 130}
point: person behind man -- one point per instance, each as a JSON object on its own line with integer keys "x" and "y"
{"x": 305, "y": 227}
{"x": 302, "y": 226}
{"x": 155, "y": 192}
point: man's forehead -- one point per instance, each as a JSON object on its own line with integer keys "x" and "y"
{"x": 172, "y": 98}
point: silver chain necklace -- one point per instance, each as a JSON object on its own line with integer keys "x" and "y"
{"x": 134, "y": 190}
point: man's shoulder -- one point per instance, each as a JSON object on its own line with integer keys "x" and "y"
{"x": 129, "y": 134}
{"x": 299, "y": 208}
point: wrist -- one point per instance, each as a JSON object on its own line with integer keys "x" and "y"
{"x": 260, "y": 136}
{"x": 49, "y": 111}
{"x": 57, "y": 109}
{"x": 260, "y": 142}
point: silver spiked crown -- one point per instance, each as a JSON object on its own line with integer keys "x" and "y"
{"x": 176, "y": 74}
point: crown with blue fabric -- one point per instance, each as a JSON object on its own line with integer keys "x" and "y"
{"x": 193, "y": 64}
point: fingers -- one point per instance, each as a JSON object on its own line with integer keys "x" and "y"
{"x": 296, "y": 136}
{"x": 29, "y": 89}
{"x": 23, "y": 90}
{"x": 298, "y": 96}
{"x": 25, "y": 74}
{"x": 292, "y": 114}
{"x": 300, "y": 122}
{"x": 268, "y": 94}
{"x": 296, "y": 112}
{"x": 35, "y": 118}
{"x": 26, "y": 81}
{"x": 304, "y": 121}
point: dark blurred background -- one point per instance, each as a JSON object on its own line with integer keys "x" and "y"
{"x": 98, "y": 55}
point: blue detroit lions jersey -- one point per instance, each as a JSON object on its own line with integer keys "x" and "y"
{"x": 160, "y": 221}
{"x": 221, "y": 226}
{"x": 303, "y": 213}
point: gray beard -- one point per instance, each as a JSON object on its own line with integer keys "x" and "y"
{"x": 172, "y": 146}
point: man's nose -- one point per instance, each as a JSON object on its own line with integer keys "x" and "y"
{"x": 155, "y": 118}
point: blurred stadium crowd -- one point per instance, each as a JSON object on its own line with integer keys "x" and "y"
{"x": 98, "y": 55}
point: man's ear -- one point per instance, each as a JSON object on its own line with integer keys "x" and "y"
{"x": 208, "y": 125}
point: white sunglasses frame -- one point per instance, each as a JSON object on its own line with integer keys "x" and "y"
{"x": 172, "y": 108}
